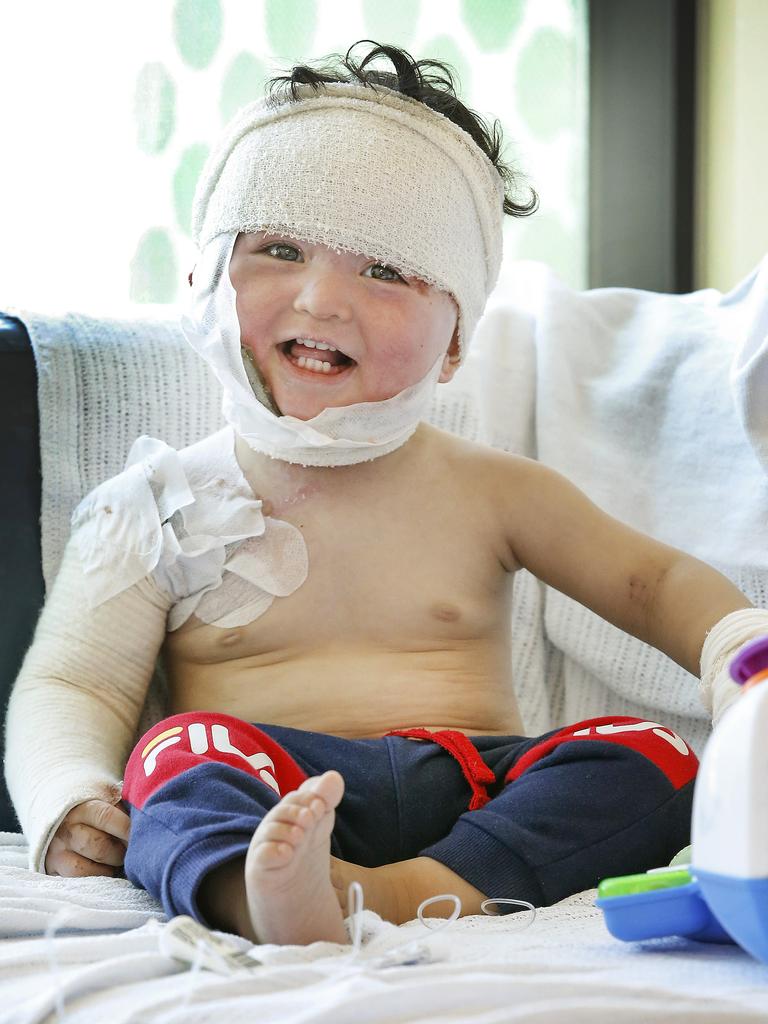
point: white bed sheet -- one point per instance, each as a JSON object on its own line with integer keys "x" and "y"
{"x": 103, "y": 965}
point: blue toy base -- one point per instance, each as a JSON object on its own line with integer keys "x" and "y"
{"x": 662, "y": 912}
{"x": 741, "y": 905}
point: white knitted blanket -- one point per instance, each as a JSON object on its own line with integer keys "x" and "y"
{"x": 87, "y": 950}
{"x": 650, "y": 403}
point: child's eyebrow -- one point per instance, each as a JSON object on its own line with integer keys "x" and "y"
{"x": 265, "y": 236}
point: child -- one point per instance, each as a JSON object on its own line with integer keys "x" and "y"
{"x": 330, "y": 578}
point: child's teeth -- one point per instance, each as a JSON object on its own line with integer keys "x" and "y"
{"x": 313, "y": 364}
{"x": 308, "y": 343}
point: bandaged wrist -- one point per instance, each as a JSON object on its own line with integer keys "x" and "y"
{"x": 75, "y": 707}
{"x": 723, "y": 642}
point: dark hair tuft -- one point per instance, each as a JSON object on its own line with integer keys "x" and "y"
{"x": 428, "y": 81}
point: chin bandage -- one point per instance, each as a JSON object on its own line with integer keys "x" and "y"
{"x": 338, "y": 436}
{"x": 357, "y": 169}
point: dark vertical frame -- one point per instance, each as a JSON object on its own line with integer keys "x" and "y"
{"x": 21, "y": 578}
{"x": 641, "y": 143}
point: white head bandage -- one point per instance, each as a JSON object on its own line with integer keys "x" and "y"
{"x": 358, "y": 169}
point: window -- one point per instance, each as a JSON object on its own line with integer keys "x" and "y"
{"x": 114, "y": 107}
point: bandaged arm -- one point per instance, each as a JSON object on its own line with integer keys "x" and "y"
{"x": 723, "y": 642}
{"x": 76, "y": 704}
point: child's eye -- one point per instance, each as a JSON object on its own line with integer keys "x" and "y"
{"x": 282, "y": 251}
{"x": 289, "y": 253}
{"x": 387, "y": 270}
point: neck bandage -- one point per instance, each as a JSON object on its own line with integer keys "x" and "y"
{"x": 360, "y": 170}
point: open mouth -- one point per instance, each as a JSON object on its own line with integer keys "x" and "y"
{"x": 316, "y": 357}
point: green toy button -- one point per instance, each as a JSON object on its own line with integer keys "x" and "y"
{"x": 630, "y": 885}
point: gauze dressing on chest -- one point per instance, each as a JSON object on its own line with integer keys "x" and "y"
{"x": 189, "y": 520}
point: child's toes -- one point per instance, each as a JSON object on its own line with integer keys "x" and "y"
{"x": 309, "y": 813}
{"x": 303, "y": 808}
{"x": 292, "y": 810}
{"x": 268, "y": 854}
{"x": 329, "y": 787}
{"x": 275, "y": 843}
{"x": 298, "y": 814}
{"x": 280, "y": 832}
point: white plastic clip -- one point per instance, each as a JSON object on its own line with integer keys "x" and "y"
{"x": 190, "y": 943}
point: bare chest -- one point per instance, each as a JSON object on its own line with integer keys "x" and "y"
{"x": 394, "y": 564}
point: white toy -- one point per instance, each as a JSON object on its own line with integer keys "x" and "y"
{"x": 730, "y": 809}
{"x": 723, "y": 895}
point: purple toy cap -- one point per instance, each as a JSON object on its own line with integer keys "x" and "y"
{"x": 751, "y": 660}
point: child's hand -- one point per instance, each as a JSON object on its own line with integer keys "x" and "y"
{"x": 90, "y": 841}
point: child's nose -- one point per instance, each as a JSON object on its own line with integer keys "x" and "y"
{"x": 324, "y": 294}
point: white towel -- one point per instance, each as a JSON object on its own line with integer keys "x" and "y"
{"x": 657, "y": 407}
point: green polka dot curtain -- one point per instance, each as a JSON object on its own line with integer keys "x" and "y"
{"x": 114, "y": 107}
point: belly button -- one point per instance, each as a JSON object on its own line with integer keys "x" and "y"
{"x": 229, "y": 639}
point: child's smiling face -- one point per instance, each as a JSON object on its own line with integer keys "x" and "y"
{"x": 387, "y": 329}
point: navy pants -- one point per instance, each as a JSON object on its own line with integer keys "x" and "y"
{"x": 526, "y": 818}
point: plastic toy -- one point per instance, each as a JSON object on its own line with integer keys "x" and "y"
{"x": 723, "y": 895}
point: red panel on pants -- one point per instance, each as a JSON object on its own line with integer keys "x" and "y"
{"x": 668, "y": 751}
{"x": 184, "y": 741}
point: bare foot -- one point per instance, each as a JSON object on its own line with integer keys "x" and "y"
{"x": 287, "y": 870}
